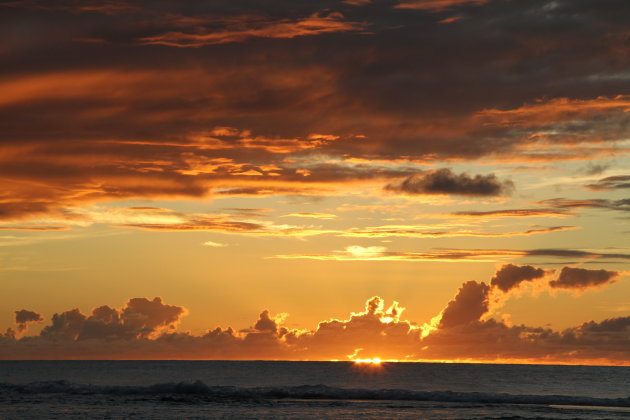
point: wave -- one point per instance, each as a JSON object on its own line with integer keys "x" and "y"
{"x": 316, "y": 392}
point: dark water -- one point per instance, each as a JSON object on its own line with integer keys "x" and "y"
{"x": 220, "y": 389}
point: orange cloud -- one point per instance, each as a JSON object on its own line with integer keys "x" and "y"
{"x": 324, "y": 216}
{"x": 411, "y": 231}
{"x": 317, "y": 23}
{"x": 456, "y": 255}
{"x": 514, "y": 213}
{"x": 437, "y": 5}
{"x": 554, "y": 111}
{"x": 146, "y": 329}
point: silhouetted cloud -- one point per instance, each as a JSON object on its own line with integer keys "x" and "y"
{"x": 25, "y": 317}
{"x": 138, "y": 318}
{"x": 146, "y": 329}
{"x": 470, "y": 303}
{"x": 444, "y": 181}
{"x": 510, "y": 276}
{"x": 582, "y": 278}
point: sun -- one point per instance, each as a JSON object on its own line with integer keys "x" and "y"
{"x": 373, "y": 362}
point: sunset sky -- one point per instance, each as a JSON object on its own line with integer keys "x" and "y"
{"x": 265, "y": 179}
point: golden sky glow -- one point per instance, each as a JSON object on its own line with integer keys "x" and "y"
{"x": 233, "y": 179}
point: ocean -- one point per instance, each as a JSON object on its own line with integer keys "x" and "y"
{"x": 309, "y": 390}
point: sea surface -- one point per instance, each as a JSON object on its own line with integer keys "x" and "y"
{"x": 309, "y": 390}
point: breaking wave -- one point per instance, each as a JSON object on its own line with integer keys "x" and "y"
{"x": 315, "y": 392}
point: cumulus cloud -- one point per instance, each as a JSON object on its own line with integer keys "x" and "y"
{"x": 470, "y": 303}
{"x": 444, "y": 181}
{"x": 146, "y": 329}
{"x": 138, "y": 318}
{"x": 582, "y": 278}
{"x": 474, "y": 300}
{"x": 25, "y": 317}
{"x": 511, "y": 276}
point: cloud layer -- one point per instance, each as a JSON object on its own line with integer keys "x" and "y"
{"x": 464, "y": 330}
{"x": 187, "y": 99}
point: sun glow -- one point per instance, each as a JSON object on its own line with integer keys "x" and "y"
{"x": 375, "y": 361}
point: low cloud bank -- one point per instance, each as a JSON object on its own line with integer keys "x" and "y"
{"x": 464, "y": 330}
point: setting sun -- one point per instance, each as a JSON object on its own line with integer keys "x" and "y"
{"x": 375, "y": 361}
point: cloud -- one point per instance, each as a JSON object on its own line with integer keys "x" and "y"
{"x": 417, "y": 231}
{"x": 107, "y": 7}
{"x": 458, "y": 255}
{"x": 444, "y": 181}
{"x": 511, "y": 276}
{"x": 147, "y": 329}
{"x": 317, "y": 23}
{"x": 209, "y": 223}
{"x": 514, "y": 213}
{"x": 437, "y": 5}
{"x": 25, "y": 317}
{"x": 611, "y": 183}
{"x": 214, "y": 244}
{"x": 323, "y": 216}
{"x": 138, "y": 318}
{"x": 596, "y": 203}
{"x": 470, "y": 303}
{"x": 582, "y": 278}
{"x": 110, "y": 127}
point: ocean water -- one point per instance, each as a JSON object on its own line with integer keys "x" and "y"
{"x": 309, "y": 390}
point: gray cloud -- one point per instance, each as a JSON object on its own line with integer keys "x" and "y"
{"x": 582, "y": 278}
{"x": 510, "y": 276}
{"x": 444, "y": 181}
{"x": 611, "y": 183}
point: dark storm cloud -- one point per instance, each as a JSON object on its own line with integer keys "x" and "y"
{"x": 444, "y": 181}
